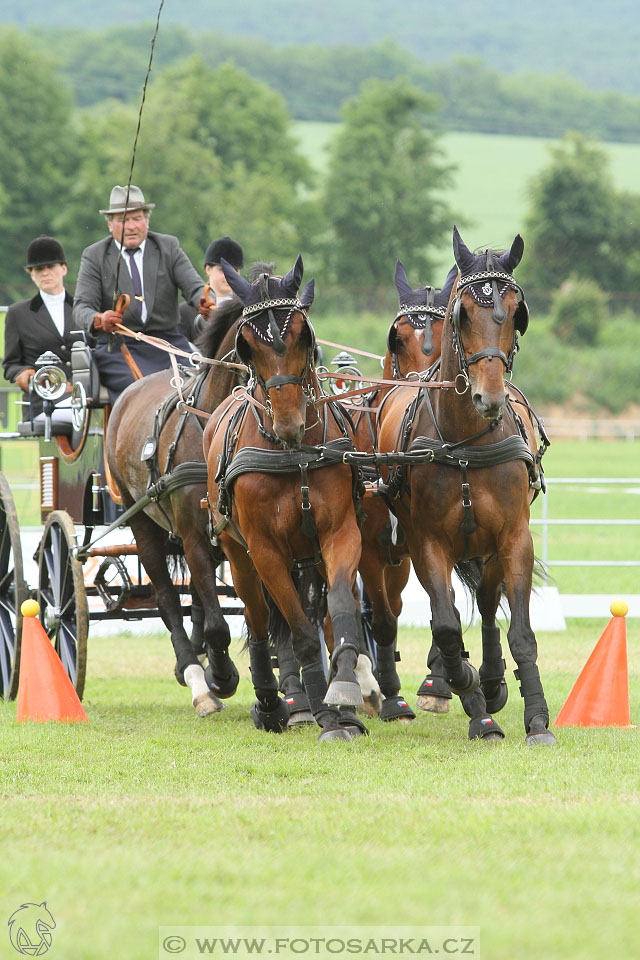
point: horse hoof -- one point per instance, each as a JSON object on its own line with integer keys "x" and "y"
{"x": 335, "y": 734}
{"x": 499, "y": 698}
{"x": 372, "y": 703}
{"x": 344, "y": 692}
{"x": 371, "y": 694}
{"x": 472, "y": 682}
{"x": 224, "y": 687}
{"x": 299, "y": 708}
{"x": 353, "y": 725}
{"x": 301, "y": 719}
{"x": 396, "y": 708}
{"x": 485, "y": 729}
{"x": 433, "y": 704}
{"x": 538, "y": 735}
{"x": 274, "y": 720}
{"x": 179, "y": 675}
{"x": 207, "y": 704}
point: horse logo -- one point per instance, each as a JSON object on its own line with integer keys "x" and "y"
{"x": 30, "y": 929}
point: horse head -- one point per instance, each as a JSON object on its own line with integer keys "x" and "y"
{"x": 487, "y": 312}
{"x": 414, "y": 338}
{"x": 276, "y": 340}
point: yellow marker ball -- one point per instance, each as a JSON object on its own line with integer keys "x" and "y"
{"x": 619, "y": 608}
{"x": 30, "y": 608}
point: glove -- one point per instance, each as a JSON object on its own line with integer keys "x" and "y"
{"x": 205, "y": 307}
{"x": 23, "y": 379}
{"x": 107, "y": 321}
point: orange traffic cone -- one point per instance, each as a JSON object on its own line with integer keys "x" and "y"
{"x": 600, "y": 695}
{"x": 45, "y": 692}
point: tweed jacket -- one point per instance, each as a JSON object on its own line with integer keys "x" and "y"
{"x": 166, "y": 269}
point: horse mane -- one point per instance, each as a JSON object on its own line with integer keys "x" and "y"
{"x": 216, "y": 329}
{"x": 258, "y": 267}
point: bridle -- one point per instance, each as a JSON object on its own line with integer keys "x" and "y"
{"x": 274, "y": 337}
{"x": 417, "y": 316}
{"x": 489, "y": 295}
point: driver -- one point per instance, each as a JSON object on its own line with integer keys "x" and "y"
{"x": 42, "y": 323}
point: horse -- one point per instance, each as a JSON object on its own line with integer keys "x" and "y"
{"x": 275, "y": 500}
{"x": 463, "y": 487}
{"x": 413, "y": 346}
{"x": 148, "y": 436}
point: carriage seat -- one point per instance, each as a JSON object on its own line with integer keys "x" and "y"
{"x": 84, "y": 370}
{"x": 35, "y": 428}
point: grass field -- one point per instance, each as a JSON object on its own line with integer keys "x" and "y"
{"x": 147, "y": 816}
{"x": 489, "y": 194}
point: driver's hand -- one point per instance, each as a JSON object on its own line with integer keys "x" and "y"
{"x": 205, "y": 307}
{"x": 107, "y": 321}
{"x": 23, "y": 379}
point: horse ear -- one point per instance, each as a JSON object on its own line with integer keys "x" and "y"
{"x": 307, "y": 295}
{"x": 402, "y": 284}
{"x": 463, "y": 256}
{"x": 292, "y": 280}
{"x": 511, "y": 259}
{"x": 442, "y": 297}
{"x": 237, "y": 283}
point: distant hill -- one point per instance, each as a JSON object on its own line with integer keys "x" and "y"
{"x": 596, "y": 43}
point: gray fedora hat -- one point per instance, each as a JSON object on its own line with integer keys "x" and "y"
{"x": 118, "y": 198}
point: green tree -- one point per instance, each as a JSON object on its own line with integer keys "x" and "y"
{"x": 37, "y": 145}
{"x": 217, "y": 156}
{"x": 382, "y": 194}
{"x": 571, "y": 226}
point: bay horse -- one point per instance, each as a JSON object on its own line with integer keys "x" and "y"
{"x": 464, "y": 489}
{"x": 413, "y": 346}
{"x": 280, "y": 494}
{"x": 149, "y": 436}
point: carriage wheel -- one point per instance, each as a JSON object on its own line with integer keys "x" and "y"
{"x": 64, "y": 611}
{"x": 12, "y": 593}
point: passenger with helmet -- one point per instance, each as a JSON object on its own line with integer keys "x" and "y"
{"x": 224, "y": 248}
{"x": 40, "y": 325}
{"x": 150, "y": 268}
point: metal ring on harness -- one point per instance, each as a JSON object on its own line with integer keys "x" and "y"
{"x": 465, "y": 380}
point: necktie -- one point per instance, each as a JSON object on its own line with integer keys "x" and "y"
{"x": 137, "y": 282}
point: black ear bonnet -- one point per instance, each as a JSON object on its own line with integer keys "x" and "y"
{"x": 487, "y": 277}
{"x": 420, "y": 307}
{"x": 270, "y": 303}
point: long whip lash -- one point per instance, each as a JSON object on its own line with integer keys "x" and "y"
{"x": 135, "y": 144}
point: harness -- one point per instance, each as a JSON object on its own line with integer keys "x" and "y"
{"x": 233, "y": 462}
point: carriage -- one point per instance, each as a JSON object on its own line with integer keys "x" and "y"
{"x": 88, "y": 564}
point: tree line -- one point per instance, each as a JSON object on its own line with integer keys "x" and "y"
{"x": 217, "y": 155}
{"x": 316, "y": 80}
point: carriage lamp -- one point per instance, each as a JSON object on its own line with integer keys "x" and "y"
{"x": 346, "y": 365}
{"x": 49, "y": 382}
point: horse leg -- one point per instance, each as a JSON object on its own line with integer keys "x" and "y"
{"x": 269, "y": 712}
{"x": 386, "y": 584}
{"x": 433, "y": 571}
{"x": 493, "y": 667}
{"x": 306, "y": 646}
{"x": 221, "y": 674}
{"x": 151, "y": 549}
{"x": 434, "y": 692}
{"x": 518, "y": 567}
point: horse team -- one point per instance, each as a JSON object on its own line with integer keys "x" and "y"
{"x": 436, "y": 468}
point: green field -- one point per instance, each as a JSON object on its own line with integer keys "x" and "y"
{"x": 489, "y": 196}
{"x": 147, "y": 816}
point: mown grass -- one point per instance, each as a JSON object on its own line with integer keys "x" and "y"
{"x": 147, "y": 816}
